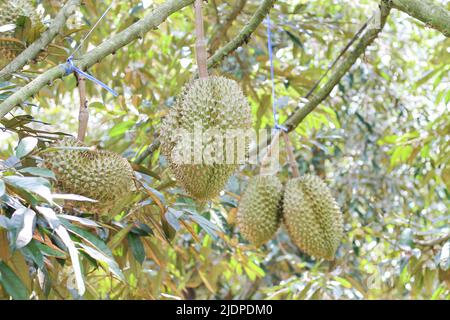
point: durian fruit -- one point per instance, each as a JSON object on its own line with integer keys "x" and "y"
{"x": 97, "y": 174}
{"x": 259, "y": 211}
{"x": 215, "y": 103}
{"x": 312, "y": 217}
{"x": 10, "y": 12}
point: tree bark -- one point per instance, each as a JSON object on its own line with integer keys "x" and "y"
{"x": 133, "y": 32}
{"x": 427, "y": 11}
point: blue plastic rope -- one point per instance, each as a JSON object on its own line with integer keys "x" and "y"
{"x": 69, "y": 67}
{"x": 272, "y": 75}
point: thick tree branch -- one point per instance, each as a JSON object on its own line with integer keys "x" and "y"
{"x": 40, "y": 44}
{"x": 366, "y": 39}
{"x": 133, "y": 32}
{"x": 427, "y": 11}
{"x": 213, "y": 61}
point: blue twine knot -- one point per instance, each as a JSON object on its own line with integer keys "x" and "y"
{"x": 70, "y": 67}
{"x": 272, "y": 75}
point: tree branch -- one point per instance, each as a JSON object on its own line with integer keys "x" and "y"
{"x": 427, "y": 11}
{"x": 40, "y": 44}
{"x": 222, "y": 29}
{"x": 133, "y": 32}
{"x": 366, "y": 39}
{"x": 244, "y": 35}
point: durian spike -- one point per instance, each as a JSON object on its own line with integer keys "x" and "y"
{"x": 291, "y": 158}
{"x": 200, "y": 46}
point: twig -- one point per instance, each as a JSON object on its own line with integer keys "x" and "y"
{"x": 431, "y": 243}
{"x": 40, "y": 44}
{"x": 83, "y": 116}
{"x": 291, "y": 157}
{"x": 200, "y": 45}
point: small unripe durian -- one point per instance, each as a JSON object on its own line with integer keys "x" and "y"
{"x": 212, "y": 105}
{"x": 259, "y": 211}
{"x": 97, "y": 174}
{"x": 312, "y": 217}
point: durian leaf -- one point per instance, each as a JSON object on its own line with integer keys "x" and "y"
{"x": 119, "y": 237}
{"x": 63, "y": 234}
{"x": 27, "y": 218}
{"x": 11, "y": 283}
{"x": 74, "y": 197}
{"x": 25, "y": 146}
{"x": 99, "y": 256}
{"x": 36, "y": 185}
{"x": 40, "y": 172}
{"x": 2, "y": 188}
{"x": 444, "y": 259}
{"x": 137, "y": 247}
{"x": 204, "y": 223}
{"x": 83, "y": 221}
{"x": 32, "y": 252}
{"x": 88, "y": 237}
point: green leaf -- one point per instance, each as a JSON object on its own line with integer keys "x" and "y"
{"x": 62, "y": 233}
{"x": 136, "y": 247}
{"x": 27, "y": 218}
{"x": 87, "y": 236}
{"x": 2, "y": 188}
{"x": 39, "y": 186}
{"x": 40, "y": 172}
{"x": 25, "y": 146}
{"x": 99, "y": 256}
{"x": 121, "y": 128}
{"x": 32, "y": 251}
{"x": 11, "y": 283}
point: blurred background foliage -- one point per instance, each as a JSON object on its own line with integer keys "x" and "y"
{"x": 381, "y": 140}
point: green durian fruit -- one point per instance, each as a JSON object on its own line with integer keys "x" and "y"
{"x": 259, "y": 211}
{"x": 312, "y": 217}
{"x": 215, "y": 103}
{"x": 97, "y": 174}
{"x": 10, "y": 12}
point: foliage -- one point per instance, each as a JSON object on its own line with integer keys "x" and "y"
{"x": 381, "y": 139}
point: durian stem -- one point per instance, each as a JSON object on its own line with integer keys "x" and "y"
{"x": 291, "y": 157}
{"x": 83, "y": 115}
{"x": 266, "y": 161}
{"x": 200, "y": 45}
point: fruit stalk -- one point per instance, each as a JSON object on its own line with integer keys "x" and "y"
{"x": 200, "y": 45}
{"x": 83, "y": 115}
{"x": 291, "y": 157}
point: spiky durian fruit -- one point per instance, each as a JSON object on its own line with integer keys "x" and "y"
{"x": 10, "y": 12}
{"x": 259, "y": 211}
{"x": 312, "y": 216}
{"x": 214, "y": 105}
{"x": 97, "y": 174}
